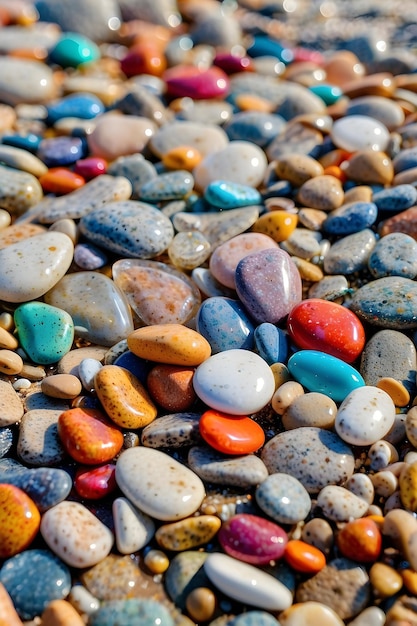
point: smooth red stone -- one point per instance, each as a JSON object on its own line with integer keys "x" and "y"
{"x": 328, "y": 327}
{"x": 231, "y": 434}
{"x": 88, "y": 436}
{"x": 19, "y": 521}
{"x": 60, "y": 180}
{"x": 304, "y": 557}
{"x": 171, "y": 386}
{"x": 189, "y": 81}
{"x": 252, "y": 539}
{"x": 360, "y": 540}
{"x": 90, "y": 167}
{"x": 231, "y": 64}
{"x": 95, "y": 483}
{"x": 143, "y": 58}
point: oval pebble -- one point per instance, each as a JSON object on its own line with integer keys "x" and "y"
{"x": 368, "y": 133}
{"x": 231, "y": 434}
{"x": 20, "y": 521}
{"x": 11, "y": 406}
{"x": 133, "y": 529}
{"x": 169, "y": 343}
{"x": 188, "y": 533}
{"x": 252, "y": 539}
{"x": 340, "y": 505}
{"x": 309, "y": 614}
{"x": 310, "y": 409}
{"x": 350, "y": 254}
{"x": 283, "y": 498}
{"x": 215, "y": 467}
{"x": 394, "y": 255}
{"x": 132, "y": 611}
{"x": 388, "y": 302}
{"x": 225, "y": 324}
{"x": 38, "y": 442}
{"x": 63, "y": 386}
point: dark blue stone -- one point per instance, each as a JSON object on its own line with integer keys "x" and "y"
{"x": 85, "y": 106}
{"x": 265, "y": 46}
{"x": 62, "y": 151}
{"x": 271, "y": 343}
{"x": 396, "y": 198}
{"x": 258, "y": 128}
{"x": 6, "y": 440}
{"x": 351, "y": 218}
{"x": 136, "y": 366}
{"x": 406, "y": 160}
{"x": 28, "y": 142}
{"x": 33, "y": 579}
{"x": 225, "y": 324}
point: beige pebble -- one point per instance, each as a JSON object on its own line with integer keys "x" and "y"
{"x": 63, "y": 386}
{"x": 83, "y": 600}
{"x": 201, "y": 604}
{"x": 297, "y": 168}
{"x": 402, "y": 612}
{"x": 21, "y": 383}
{"x": 311, "y": 218}
{"x": 408, "y": 487}
{"x": 61, "y": 613}
{"x": 70, "y": 362}
{"x": 359, "y": 193}
{"x": 11, "y": 406}
{"x": 309, "y": 614}
{"x": 310, "y": 409}
{"x": 5, "y": 218}
{"x": 371, "y": 616}
{"x": 394, "y": 388}
{"x": 340, "y": 505}
{"x": 370, "y": 167}
{"x": 68, "y": 227}
{"x": 7, "y": 340}
{"x": 393, "y": 502}
{"x": 411, "y": 457}
{"x": 33, "y": 372}
{"x": 8, "y": 614}
{"x": 39, "y": 443}
{"x": 308, "y": 271}
{"x": 156, "y": 561}
{"x": 385, "y": 580}
{"x": 281, "y": 374}
{"x": 401, "y": 528}
{"x": 361, "y": 485}
{"x": 7, "y": 321}
{"x": 342, "y": 67}
{"x": 411, "y": 426}
{"x": 322, "y": 192}
{"x": 285, "y": 395}
{"x": 385, "y": 483}
{"x": 7, "y": 113}
{"x": 381, "y": 454}
{"x": 10, "y": 363}
{"x": 318, "y": 533}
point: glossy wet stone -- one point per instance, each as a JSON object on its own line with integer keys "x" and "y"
{"x": 133, "y": 529}
{"x": 386, "y": 302}
{"x": 38, "y": 443}
{"x": 350, "y": 218}
{"x": 187, "y": 534}
{"x": 61, "y": 151}
{"x": 394, "y": 255}
{"x": 340, "y": 505}
{"x": 45, "y": 486}
{"x": 360, "y": 132}
{"x": 235, "y": 471}
{"x": 20, "y": 520}
{"x": 252, "y": 539}
{"x": 225, "y": 324}
{"x": 283, "y": 498}
{"x": 231, "y": 434}
{"x": 135, "y": 612}
{"x": 185, "y": 573}
{"x": 24, "y": 80}
{"x": 350, "y": 254}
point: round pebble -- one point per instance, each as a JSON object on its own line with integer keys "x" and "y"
{"x": 283, "y": 498}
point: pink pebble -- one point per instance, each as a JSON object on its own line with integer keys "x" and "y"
{"x": 95, "y": 483}
{"x": 90, "y": 167}
{"x": 189, "y": 81}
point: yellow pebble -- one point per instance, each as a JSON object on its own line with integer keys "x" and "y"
{"x": 308, "y": 271}
{"x": 188, "y": 533}
{"x": 409, "y": 577}
{"x": 169, "y": 343}
{"x": 408, "y": 487}
{"x": 385, "y": 580}
{"x": 395, "y": 389}
{"x": 281, "y": 374}
{"x": 276, "y": 224}
{"x": 251, "y": 102}
{"x": 10, "y": 363}
{"x": 156, "y": 561}
{"x": 182, "y": 158}
{"x": 201, "y": 604}
{"x": 123, "y": 397}
{"x": 7, "y": 340}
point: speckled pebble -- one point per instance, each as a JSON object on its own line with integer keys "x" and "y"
{"x": 89, "y": 257}
{"x": 214, "y": 467}
{"x": 389, "y": 302}
{"x": 350, "y": 254}
{"x": 340, "y": 505}
{"x": 46, "y": 486}
{"x": 175, "y": 430}
{"x": 38, "y": 442}
{"x": 225, "y": 324}
{"x": 352, "y": 217}
{"x": 11, "y": 406}
{"x": 283, "y": 498}
{"x": 322, "y": 192}
{"x": 396, "y": 198}
{"x": 188, "y": 533}
{"x": 310, "y": 409}
{"x": 25, "y": 80}
{"x": 394, "y": 255}
{"x": 185, "y": 573}
{"x": 133, "y": 529}
{"x": 132, "y": 612}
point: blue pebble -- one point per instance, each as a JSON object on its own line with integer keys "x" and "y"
{"x": 167, "y": 186}
{"x": 225, "y": 194}
{"x": 33, "y": 579}
{"x": 28, "y": 142}
{"x": 265, "y": 46}
{"x": 225, "y": 324}
{"x": 89, "y": 257}
{"x": 405, "y": 160}
{"x": 324, "y": 373}
{"x": 84, "y": 106}
{"x": 351, "y": 218}
{"x": 258, "y": 128}
{"x": 394, "y": 255}
{"x": 271, "y": 343}
{"x": 6, "y": 440}
{"x": 396, "y": 198}
{"x": 131, "y": 612}
{"x": 62, "y": 151}
{"x": 136, "y": 366}
{"x": 254, "y": 618}
{"x": 328, "y": 93}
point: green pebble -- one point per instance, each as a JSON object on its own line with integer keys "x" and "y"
{"x": 72, "y": 50}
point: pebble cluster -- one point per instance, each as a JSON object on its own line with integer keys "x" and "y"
{"x": 208, "y": 313}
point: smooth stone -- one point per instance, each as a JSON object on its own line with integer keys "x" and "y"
{"x": 22, "y": 160}
{"x": 113, "y": 578}
{"x": 19, "y": 232}
{"x": 206, "y": 138}
{"x": 188, "y": 533}
{"x": 185, "y": 573}
{"x": 331, "y": 460}
{"x": 20, "y": 520}
{"x": 61, "y": 151}
{"x": 309, "y": 614}
{"x": 285, "y": 394}
{"x": 9, "y": 613}
{"x": 133, "y": 529}
{"x": 189, "y": 250}
{"x": 370, "y": 167}
{"x": 303, "y": 243}
{"x": 321, "y": 192}
{"x": 234, "y": 471}
{"x": 69, "y": 364}
{"x": 382, "y": 109}
{"x": 117, "y": 135}
{"x": 92, "y": 300}
{"x": 325, "y": 373}
{"x": 175, "y": 430}
{"x": 132, "y": 612}
{"x": 224, "y": 195}
{"x": 11, "y": 406}
{"x": 89, "y": 257}
{"x": 343, "y": 585}
{"x": 359, "y": 132}
{"x": 277, "y": 224}
{"x": 388, "y": 302}
{"x": 73, "y": 49}
{"x": 372, "y": 616}
{"x": 403, "y": 222}
{"x": 296, "y": 138}
{"x": 246, "y": 583}
{"x": 46, "y": 486}
{"x": 389, "y": 353}
{"x": 396, "y": 198}
{"x": 61, "y": 611}
{"x": 38, "y": 443}
{"x": 259, "y": 128}
{"x": 340, "y": 505}
{"x": 394, "y": 255}
{"x": 81, "y": 105}
{"x": 271, "y": 343}
{"x": 208, "y": 285}
{"x": 231, "y": 434}
{"x": 361, "y": 485}
{"x": 33, "y": 266}
{"x": 45, "y": 332}
{"x": 211, "y": 112}
{"x": 167, "y": 186}
{"x": 405, "y": 160}
{"x": 298, "y": 168}
{"x": 58, "y": 179}
{"x": 377, "y": 414}
{"x": 225, "y": 324}
{"x": 268, "y": 284}
{"x": 123, "y": 397}
{"x": 95, "y": 483}
{"x": 400, "y": 526}
{"x": 130, "y": 228}
{"x": 310, "y": 409}
{"x": 39, "y": 589}
{"x": 283, "y": 498}
{"x": 136, "y": 169}
{"x": 255, "y": 618}
{"x": 25, "y": 81}
{"x": 90, "y": 167}
{"x": 197, "y": 83}
{"x": 240, "y": 162}
{"x": 75, "y": 535}
{"x": 20, "y": 190}
{"x": 157, "y": 293}
{"x": 141, "y": 101}
{"x": 169, "y": 343}
{"x": 137, "y": 366}
{"x": 350, "y": 254}
{"x": 10, "y": 363}
{"x": 29, "y": 142}
{"x": 171, "y": 492}
{"x": 250, "y": 382}
{"x": 86, "y": 18}
{"x": 88, "y": 436}
{"x": 350, "y": 218}
{"x": 252, "y": 539}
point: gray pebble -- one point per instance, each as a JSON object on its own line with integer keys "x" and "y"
{"x": 236, "y": 471}
{"x": 39, "y": 443}
{"x": 389, "y": 302}
{"x": 394, "y": 255}
{"x": 350, "y": 254}
{"x": 135, "y": 168}
{"x": 184, "y": 574}
{"x": 173, "y": 431}
{"x": 283, "y": 498}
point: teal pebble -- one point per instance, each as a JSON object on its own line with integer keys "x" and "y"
{"x": 73, "y": 49}
{"x": 390, "y": 302}
{"x": 167, "y": 186}
{"x": 45, "y": 332}
{"x": 328, "y": 93}
{"x": 29, "y": 142}
{"x": 225, "y": 194}
{"x": 254, "y": 618}
{"x": 131, "y": 612}
{"x": 318, "y": 371}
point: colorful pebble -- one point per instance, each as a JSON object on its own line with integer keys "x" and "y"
{"x": 20, "y": 521}
{"x": 252, "y": 539}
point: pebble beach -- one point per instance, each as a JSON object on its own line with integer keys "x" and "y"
{"x": 208, "y": 313}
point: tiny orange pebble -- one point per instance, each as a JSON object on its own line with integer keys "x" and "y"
{"x": 60, "y": 180}
{"x": 304, "y": 557}
{"x": 336, "y": 171}
{"x": 231, "y": 434}
{"x": 395, "y": 389}
{"x": 378, "y": 519}
{"x": 334, "y": 157}
{"x": 409, "y": 577}
{"x": 19, "y": 520}
{"x": 182, "y": 158}
{"x": 250, "y": 102}
{"x": 278, "y": 225}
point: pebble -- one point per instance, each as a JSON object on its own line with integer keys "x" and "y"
{"x": 350, "y": 218}
{"x": 369, "y": 133}
{"x": 60, "y": 613}
{"x": 25, "y": 81}
{"x": 252, "y": 539}
{"x": 22, "y": 160}
{"x": 133, "y": 529}
{"x": 38, "y": 442}
{"x": 369, "y": 167}
{"x": 184, "y": 574}
{"x": 89, "y": 257}
{"x": 11, "y": 406}
{"x": 19, "y": 513}
{"x": 318, "y": 533}
{"x": 279, "y": 225}
{"x": 174, "y": 430}
{"x": 187, "y": 534}
{"x": 387, "y": 302}
{"x": 260, "y": 128}
{"x": 132, "y": 611}
{"x": 46, "y": 486}
{"x": 304, "y": 557}
{"x": 171, "y": 387}
{"x": 310, "y": 409}
{"x": 283, "y": 498}
{"x": 206, "y": 138}
{"x": 8, "y": 612}
{"x": 394, "y": 255}
{"x": 385, "y": 580}
{"x": 231, "y": 434}
{"x": 396, "y": 198}
{"x": 10, "y": 362}
{"x": 350, "y": 254}
{"x": 321, "y": 192}
{"x": 340, "y": 505}
{"x": 225, "y": 324}
{"x": 201, "y": 604}
{"x": 188, "y": 250}
{"x": 215, "y": 467}
{"x": 309, "y": 613}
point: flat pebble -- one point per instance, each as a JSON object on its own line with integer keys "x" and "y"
{"x": 172, "y": 431}
{"x": 310, "y": 409}
{"x": 234, "y": 471}
{"x": 20, "y": 520}
{"x": 25, "y": 80}
{"x": 352, "y": 217}
{"x": 167, "y": 186}
{"x": 394, "y": 255}
{"x": 169, "y": 343}
{"x": 22, "y": 160}
{"x": 206, "y": 138}
{"x": 11, "y": 406}
{"x": 350, "y": 254}
{"x": 368, "y": 133}
{"x": 283, "y": 498}
{"x": 396, "y": 198}
{"x": 38, "y": 442}
{"x": 225, "y": 324}
{"x": 133, "y": 611}
{"x": 133, "y": 529}
{"x": 188, "y": 533}
{"x": 388, "y": 302}
{"x": 322, "y": 192}
{"x": 132, "y": 132}
{"x": 46, "y": 486}
{"x": 252, "y": 539}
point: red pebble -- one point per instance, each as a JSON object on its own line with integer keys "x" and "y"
{"x": 88, "y": 436}
{"x": 90, "y": 167}
{"x": 252, "y": 539}
{"x": 190, "y": 81}
{"x": 143, "y": 58}
{"x": 303, "y": 557}
{"x": 19, "y": 521}
{"x": 60, "y": 180}
{"x": 95, "y": 483}
{"x": 328, "y": 327}
{"x": 171, "y": 386}
{"x": 231, "y": 64}
{"x": 231, "y": 434}
{"x": 360, "y": 540}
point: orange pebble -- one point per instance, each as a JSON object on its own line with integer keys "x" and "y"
{"x": 409, "y": 577}
{"x": 336, "y": 171}
{"x": 276, "y": 224}
{"x": 360, "y": 540}
{"x": 334, "y": 157}
{"x": 231, "y": 434}
{"x": 61, "y": 613}
{"x": 19, "y": 520}
{"x": 304, "y": 557}
{"x": 35, "y": 54}
{"x": 171, "y": 386}
{"x": 182, "y": 158}
{"x": 8, "y": 614}
{"x": 144, "y": 57}
{"x": 60, "y": 180}
{"x": 395, "y": 389}
{"x": 250, "y": 102}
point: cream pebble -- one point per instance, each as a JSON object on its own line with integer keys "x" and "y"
{"x": 381, "y": 454}
{"x": 340, "y": 505}
{"x": 309, "y": 614}
{"x": 5, "y": 219}
{"x": 10, "y": 363}
{"x": 63, "y": 386}
{"x": 133, "y": 529}
{"x": 401, "y": 528}
{"x": 310, "y": 409}
{"x": 7, "y": 340}
{"x": 82, "y": 600}
{"x": 11, "y": 406}
{"x": 22, "y": 160}
{"x": 371, "y": 616}
{"x": 361, "y": 485}
{"x": 411, "y": 426}
{"x": 285, "y": 395}
{"x": 385, "y": 483}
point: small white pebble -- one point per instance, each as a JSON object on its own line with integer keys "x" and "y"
{"x": 21, "y": 383}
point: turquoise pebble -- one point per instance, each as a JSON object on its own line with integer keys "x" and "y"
{"x": 167, "y": 186}
{"x": 351, "y": 218}
{"x": 265, "y": 46}
{"x": 29, "y": 142}
{"x": 85, "y": 106}
{"x": 225, "y": 194}
{"x": 254, "y": 618}
{"x": 390, "y": 302}
{"x": 324, "y": 373}
{"x": 394, "y": 255}
{"x": 73, "y": 49}
{"x": 271, "y": 343}
{"x": 328, "y": 93}
{"x": 131, "y": 612}
{"x": 45, "y": 332}
{"x": 33, "y": 579}
{"x": 225, "y": 324}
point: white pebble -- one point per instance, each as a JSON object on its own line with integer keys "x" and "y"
{"x": 21, "y": 383}
{"x": 132, "y": 528}
{"x": 340, "y": 505}
{"x": 365, "y": 416}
